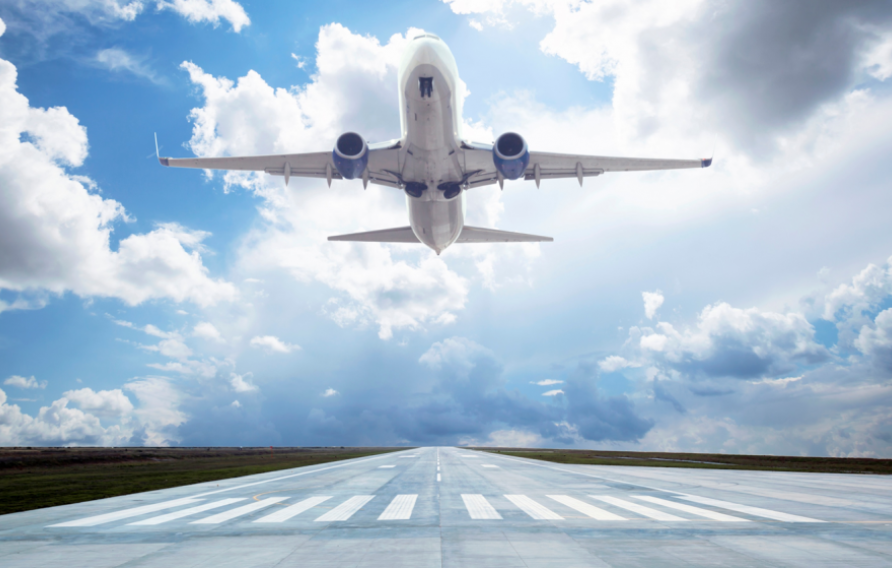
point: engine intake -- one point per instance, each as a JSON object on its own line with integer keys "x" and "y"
{"x": 511, "y": 155}
{"x": 350, "y": 155}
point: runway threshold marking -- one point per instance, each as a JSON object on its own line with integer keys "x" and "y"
{"x": 479, "y": 508}
{"x": 721, "y": 517}
{"x": 187, "y": 512}
{"x": 755, "y": 511}
{"x": 127, "y": 513}
{"x": 386, "y": 466}
{"x": 293, "y": 510}
{"x": 586, "y": 509}
{"x": 490, "y": 466}
{"x": 636, "y": 508}
{"x": 534, "y": 509}
{"x": 346, "y": 509}
{"x": 238, "y": 511}
{"x": 400, "y": 509}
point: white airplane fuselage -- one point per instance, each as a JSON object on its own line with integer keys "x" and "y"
{"x": 430, "y": 120}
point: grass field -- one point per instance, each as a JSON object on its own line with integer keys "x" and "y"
{"x": 708, "y": 461}
{"x": 32, "y": 478}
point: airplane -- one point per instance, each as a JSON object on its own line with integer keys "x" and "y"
{"x": 431, "y": 162}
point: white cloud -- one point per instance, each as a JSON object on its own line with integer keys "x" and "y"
{"x": 615, "y": 363}
{"x": 779, "y": 382}
{"x": 158, "y": 415}
{"x": 55, "y": 233}
{"x": 24, "y": 382}
{"x": 875, "y": 341}
{"x": 209, "y": 11}
{"x": 2, "y": 27}
{"x": 273, "y": 344}
{"x": 56, "y": 424}
{"x": 104, "y": 403}
{"x": 330, "y": 392}
{"x": 236, "y": 404}
{"x": 118, "y": 60}
{"x": 546, "y": 382}
{"x": 652, "y": 302}
{"x": 242, "y": 383}
{"x": 553, "y": 392}
{"x": 507, "y": 439}
{"x": 206, "y": 330}
{"x": 458, "y": 351}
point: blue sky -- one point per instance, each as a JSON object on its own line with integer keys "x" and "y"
{"x": 744, "y": 308}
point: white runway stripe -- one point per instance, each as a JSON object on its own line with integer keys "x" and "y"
{"x": 293, "y": 510}
{"x": 755, "y": 511}
{"x": 127, "y": 513}
{"x": 400, "y": 509}
{"x": 534, "y": 509}
{"x": 692, "y": 510}
{"x": 586, "y": 509}
{"x": 385, "y": 466}
{"x": 346, "y": 509}
{"x": 469, "y": 456}
{"x": 479, "y": 508}
{"x": 186, "y": 512}
{"x": 238, "y": 512}
{"x": 489, "y": 465}
{"x": 636, "y": 508}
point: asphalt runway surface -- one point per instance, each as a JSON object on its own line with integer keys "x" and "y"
{"x": 451, "y": 507}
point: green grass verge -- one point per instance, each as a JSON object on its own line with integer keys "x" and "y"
{"x": 703, "y": 461}
{"x": 33, "y": 478}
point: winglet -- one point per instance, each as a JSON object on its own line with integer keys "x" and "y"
{"x": 705, "y": 162}
{"x": 162, "y": 161}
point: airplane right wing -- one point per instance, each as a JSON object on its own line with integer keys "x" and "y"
{"x": 383, "y": 166}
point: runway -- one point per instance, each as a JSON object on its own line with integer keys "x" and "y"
{"x": 452, "y": 507}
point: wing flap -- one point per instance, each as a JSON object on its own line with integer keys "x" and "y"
{"x": 397, "y": 235}
{"x": 481, "y": 235}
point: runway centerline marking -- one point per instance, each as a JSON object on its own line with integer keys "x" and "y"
{"x": 238, "y": 511}
{"x": 346, "y": 509}
{"x": 127, "y": 513}
{"x": 186, "y": 512}
{"x": 491, "y": 466}
{"x": 636, "y": 508}
{"x": 534, "y": 509}
{"x": 400, "y": 509}
{"x": 721, "y": 517}
{"x": 293, "y": 510}
{"x": 755, "y": 511}
{"x": 385, "y": 466}
{"x": 586, "y": 509}
{"x": 479, "y": 508}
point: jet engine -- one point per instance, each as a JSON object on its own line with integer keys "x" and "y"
{"x": 350, "y": 155}
{"x": 510, "y": 155}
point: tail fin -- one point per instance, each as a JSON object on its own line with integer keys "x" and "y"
{"x": 479, "y": 235}
{"x": 398, "y": 235}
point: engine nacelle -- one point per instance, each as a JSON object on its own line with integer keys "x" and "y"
{"x": 350, "y": 155}
{"x": 510, "y": 155}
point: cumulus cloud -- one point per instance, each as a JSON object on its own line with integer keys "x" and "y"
{"x": 206, "y": 330}
{"x": 158, "y": 416}
{"x": 212, "y": 11}
{"x": 55, "y": 233}
{"x": 801, "y": 59}
{"x": 242, "y": 383}
{"x": 875, "y": 341}
{"x": 24, "y": 382}
{"x": 734, "y": 342}
{"x": 330, "y": 392}
{"x": 554, "y": 392}
{"x": 104, "y": 403}
{"x": 546, "y": 382}
{"x": 614, "y": 363}
{"x": 273, "y": 344}
{"x": 652, "y": 302}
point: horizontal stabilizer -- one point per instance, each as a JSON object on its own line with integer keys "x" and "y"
{"x": 398, "y": 235}
{"x": 479, "y": 235}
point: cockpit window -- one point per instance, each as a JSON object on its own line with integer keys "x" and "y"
{"x": 426, "y": 35}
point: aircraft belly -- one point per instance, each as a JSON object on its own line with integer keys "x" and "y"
{"x": 436, "y": 223}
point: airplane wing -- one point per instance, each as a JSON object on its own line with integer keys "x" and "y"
{"x": 480, "y": 169}
{"x": 468, "y": 235}
{"x": 382, "y": 169}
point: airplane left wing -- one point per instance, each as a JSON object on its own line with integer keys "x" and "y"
{"x": 546, "y": 165}
{"x": 383, "y": 159}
